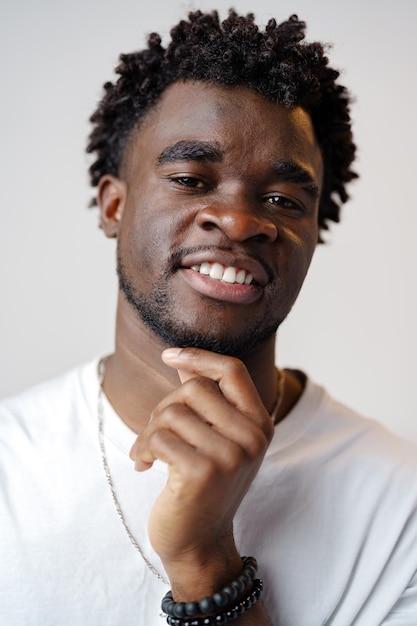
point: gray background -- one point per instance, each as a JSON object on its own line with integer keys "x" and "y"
{"x": 354, "y": 326}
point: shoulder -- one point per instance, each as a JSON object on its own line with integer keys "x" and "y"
{"x": 368, "y": 437}
{"x": 330, "y": 431}
{"x": 47, "y": 404}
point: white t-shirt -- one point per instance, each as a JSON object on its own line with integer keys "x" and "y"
{"x": 331, "y": 516}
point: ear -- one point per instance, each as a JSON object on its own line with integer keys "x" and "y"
{"x": 111, "y": 197}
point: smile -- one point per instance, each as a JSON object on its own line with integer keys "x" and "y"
{"x": 226, "y": 274}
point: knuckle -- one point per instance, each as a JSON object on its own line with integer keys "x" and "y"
{"x": 234, "y": 366}
{"x": 159, "y": 438}
{"x": 199, "y": 384}
{"x": 154, "y": 438}
{"x": 233, "y": 458}
{"x": 257, "y": 443}
{"x": 168, "y": 414}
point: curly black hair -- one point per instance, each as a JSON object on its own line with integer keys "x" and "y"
{"x": 275, "y": 62}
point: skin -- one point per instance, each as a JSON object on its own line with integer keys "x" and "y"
{"x": 204, "y": 413}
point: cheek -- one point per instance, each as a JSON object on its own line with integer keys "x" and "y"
{"x": 146, "y": 237}
{"x": 300, "y": 247}
{"x": 302, "y": 241}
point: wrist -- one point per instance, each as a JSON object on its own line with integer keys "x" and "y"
{"x": 228, "y": 603}
{"x": 198, "y": 576}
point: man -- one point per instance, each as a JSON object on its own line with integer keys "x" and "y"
{"x": 219, "y": 160}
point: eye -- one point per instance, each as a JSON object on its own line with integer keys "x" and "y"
{"x": 285, "y": 202}
{"x": 190, "y": 182}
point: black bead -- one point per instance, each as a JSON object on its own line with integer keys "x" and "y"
{"x": 251, "y": 570}
{"x": 258, "y": 587}
{"x": 231, "y": 591}
{"x": 165, "y": 603}
{"x": 221, "y": 598}
{"x": 206, "y": 605}
{"x": 246, "y": 579}
{"x": 239, "y": 584}
{"x": 192, "y": 608}
{"x": 240, "y": 609}
{"x": 169, "y": 608}
{"x": 249, "y": 562}
{"x": 179, "y": 609}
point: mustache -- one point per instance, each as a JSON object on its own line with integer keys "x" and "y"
{"x": 174, "y": 261}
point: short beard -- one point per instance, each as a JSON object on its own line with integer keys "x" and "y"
{"x": 160, "y": 315}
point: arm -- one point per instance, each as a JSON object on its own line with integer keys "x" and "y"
{"x": 213, "y": 432}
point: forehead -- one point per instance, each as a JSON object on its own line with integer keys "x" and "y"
{"x": 241, "y": 122}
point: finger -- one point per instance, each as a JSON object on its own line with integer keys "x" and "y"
{"x": 162, "y": 444}
{"x": 185, "y": 423}
{"x": 183, "y": 459}
{"x": 202, "y": 398}
{"x": 219, "y": 462}
{"x": 230, "y": 374}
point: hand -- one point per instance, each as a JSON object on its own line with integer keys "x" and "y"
{"x": 213, "y": 432}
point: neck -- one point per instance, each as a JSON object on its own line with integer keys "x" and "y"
{"x": 136, "y": 378}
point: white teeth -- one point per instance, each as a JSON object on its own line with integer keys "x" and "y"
{"x": 205, "y": 268}
{"x": 229, "y": 274}
{"x": 216, "y": 271}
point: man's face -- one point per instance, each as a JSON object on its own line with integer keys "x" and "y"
{"x": 219, "y": 221}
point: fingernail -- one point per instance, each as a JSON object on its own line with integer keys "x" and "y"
{"x": 171, "y": 353}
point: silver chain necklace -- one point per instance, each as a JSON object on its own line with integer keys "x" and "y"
{"x": 101, "y": 370}
{"x": 109, "y": 480}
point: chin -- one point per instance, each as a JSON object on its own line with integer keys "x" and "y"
{"x": 178, "y": 335}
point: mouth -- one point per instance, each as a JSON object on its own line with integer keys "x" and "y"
{"x": 224, "y": 276}
{"x": 225, "y": 273}
{"x": 227, "y": 267}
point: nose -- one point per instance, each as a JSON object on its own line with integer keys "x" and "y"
{"x": 238, "y": 219}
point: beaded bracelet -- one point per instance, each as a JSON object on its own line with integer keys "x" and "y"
{"x": 219, "y": 600}
{"x": 227, "y": 616}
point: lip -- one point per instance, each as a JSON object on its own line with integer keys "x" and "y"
{"x": 219, "y": 290}
{"x": 227, "y": 259}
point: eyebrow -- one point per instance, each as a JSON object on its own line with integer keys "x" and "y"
{"x": 191, "y": 151}
{"x": 290, "y": 172}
